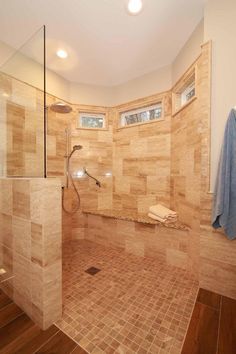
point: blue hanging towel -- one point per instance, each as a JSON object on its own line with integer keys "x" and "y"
{"x": 224, "y": 208}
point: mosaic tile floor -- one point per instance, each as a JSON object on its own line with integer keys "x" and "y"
{"x": 132, "y": 305}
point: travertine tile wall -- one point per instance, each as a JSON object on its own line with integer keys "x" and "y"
{"x": 57, "y": 124}
{"x": 22, "y": 129}
{"x": 30, "y": 246}
{"x": 165, "y": 161}
{"x": 5, "y": 91}
{"x": 217, "y": 266}
{"x": 141, "y": 158}
{"x": 169, "y": 245}
{"x": 186, "y": 163}
{"x": 149, "y": 164}
{"x": 96, "y": 157}
{"x": 104, "y": 152}
{"x": 212, "y": 254}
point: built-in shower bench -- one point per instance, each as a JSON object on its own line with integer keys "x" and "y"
{"x": 140, "y": 235}
{"x": 136, "y": 217}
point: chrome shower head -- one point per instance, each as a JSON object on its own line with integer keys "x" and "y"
{"x": 60, "y": 107}
{"x": 77, "y": 147}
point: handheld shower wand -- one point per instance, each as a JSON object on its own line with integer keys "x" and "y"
{"x": 69, "y": 176}
{"x": 95, "y": 179}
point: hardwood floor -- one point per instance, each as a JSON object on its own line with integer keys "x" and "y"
{"x": 227, "y": 333}
{"x": 212, "y": 329}
{"x": 19, "y": 335}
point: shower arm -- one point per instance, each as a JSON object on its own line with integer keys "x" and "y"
{"x": 95, "y": 179}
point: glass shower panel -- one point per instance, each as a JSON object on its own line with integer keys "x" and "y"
{"x": 22, "y": 110}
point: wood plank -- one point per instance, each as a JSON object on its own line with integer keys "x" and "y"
{"x": 79, "y": 350}
{"x": 4, "y": 300}
{"x": 209, "y": 298}
{"x": 202, "y": 332}
{"x": 9, "y": 313}
{"x": 15, "y": 334}
{"x": 38, "y": 340}
{"x": 59, "y": 344}
{"x": 227, "y": 333}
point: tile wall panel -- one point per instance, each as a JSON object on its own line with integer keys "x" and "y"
{"x": 165, "y": 161}
{"x": 212, "y": 254}
{"x": 165, "y": 244}
{"x": 141, "y": 159}
{"x": 30, "y": 244}
{"x": 22, "y": 138}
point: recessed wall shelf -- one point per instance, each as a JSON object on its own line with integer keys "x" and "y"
{"x": 184, "y": 92}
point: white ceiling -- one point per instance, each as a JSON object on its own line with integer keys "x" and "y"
{"x": 106, "y": 45}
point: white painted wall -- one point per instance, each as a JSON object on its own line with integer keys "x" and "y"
{"x": 90, "y": 94}
{"x": 149, "y": 84}
{"x": 188, "y": 54}
{"x": 159, "y": 80}
{"x": 27, "y": 70}
{"x": 220, "y": 27}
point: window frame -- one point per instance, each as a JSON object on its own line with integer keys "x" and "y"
{"x": 93, "y": 111}
{"x": 189, "y": 79}
{"x": 140, "y": 108}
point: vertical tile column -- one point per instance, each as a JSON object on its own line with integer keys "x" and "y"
{"x": 30, "y": 243}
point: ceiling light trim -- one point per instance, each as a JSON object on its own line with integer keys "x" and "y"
{"x": 62, "y": 54}
{"x": 134, "y": 7}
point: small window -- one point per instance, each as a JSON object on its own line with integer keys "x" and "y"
{"x": 188, "y": 93}
{"x": 141, "y": 115}
{"x": 92, "y": 120}
{"x": 184, "y": 92}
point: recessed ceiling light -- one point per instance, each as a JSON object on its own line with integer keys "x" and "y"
{"x": 62, "y": 54}
{"x": 135, "y": 6}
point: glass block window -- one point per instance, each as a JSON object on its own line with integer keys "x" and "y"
{"x": 92, "y": 120}
{"x": 141, "y": 115}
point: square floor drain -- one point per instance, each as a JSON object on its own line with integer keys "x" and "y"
{"x": 92, "y": 270}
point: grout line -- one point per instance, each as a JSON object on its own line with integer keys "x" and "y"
{"x": 218, "y": 335}
{"x": 45, "y": 342}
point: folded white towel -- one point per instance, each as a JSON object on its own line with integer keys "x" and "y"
{"x": 158, "y": 218}
{"x": 162, "y": 212}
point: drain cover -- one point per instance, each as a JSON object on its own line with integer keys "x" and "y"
{"x": 92, "y": 270}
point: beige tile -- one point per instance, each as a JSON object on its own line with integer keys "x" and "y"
{"x": 177, "y": 258}
{"x": 37, "y": 244}
{"x": 132, "y": 295}
{"x": 6, "y": 237}
{"x": 21, "y": 230}
{"x": 6, "y": 196}
{"x": 21, "y": 198}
